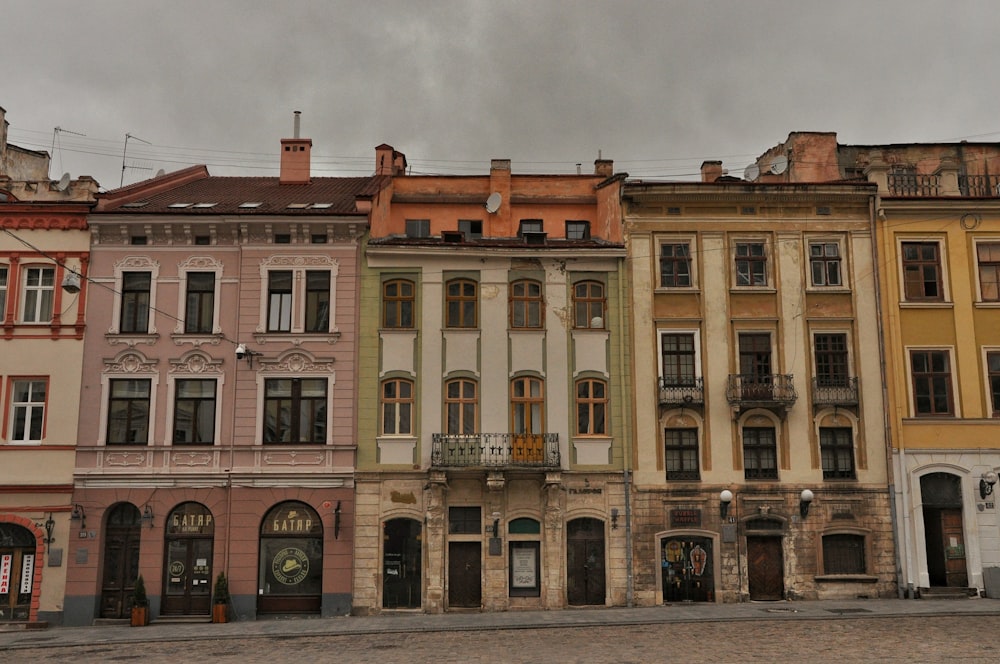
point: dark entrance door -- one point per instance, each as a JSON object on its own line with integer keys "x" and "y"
{"x": 290, "y": 575}
{"x": 465, "y": 576}
{"x": 944, "y": 538}
{"x": 187, "y": 565}
{"x": 765, "y": 568}
{"x": 686, "y": 568}
{"x": 401, "y": 564}
{"x": 585, "y": 562}
{"x": 17, "y": 570}
{"x": 121, "y": 560}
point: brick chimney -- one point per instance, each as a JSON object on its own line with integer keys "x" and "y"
{"x": 295, "y": 157}
{"x": 711, "y": 171}
{"x": 389, "y": 161}
{"x": 604, "y": 167}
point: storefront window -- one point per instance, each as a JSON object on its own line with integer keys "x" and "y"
{"x": 291, "y": 560}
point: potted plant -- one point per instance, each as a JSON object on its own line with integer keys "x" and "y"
{"x": 220, "y": 601}
{"x": 140, "y": 603}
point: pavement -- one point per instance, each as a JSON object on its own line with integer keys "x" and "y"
{"x": 414, "y": 622}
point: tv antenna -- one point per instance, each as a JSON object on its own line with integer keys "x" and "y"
{"x": 55, "y": 139}
{"x": 125, "y": 149}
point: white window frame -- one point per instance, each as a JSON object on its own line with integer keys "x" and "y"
{"x": 692, "y": 242}
{"x": 845, "y": 283}
{"x": 30, "y": 406}
{"x": 129, "y": 364}
{"x": 198, "y": 264}
{"x": 945, "y": 300}
{"x": 4, "y": 288}
{"x": 298, "y": 266}
{"x": 769, "y": 258}
{"x": 39, "y": 291}
{"x": 134, "y": 264}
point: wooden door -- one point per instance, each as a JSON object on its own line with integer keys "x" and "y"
{"x": 953, "y": 540}
{"x": 465, "y": 576}
{"x": 585, "y": 578}
{"x": 121, "y": 567}
{"x": 765, "y": 568}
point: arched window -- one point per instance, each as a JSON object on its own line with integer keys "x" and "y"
{"x": 591, "y": 407}
{"x": 526, "y": 304}
{"x": 588, "y": 305}
{"x": 397, "y": 407}
{"x": 527, "y": 401}
{"x": 397, "y": 304}
{"x": 461, "y": 303}
{"x": 461, "y": 402}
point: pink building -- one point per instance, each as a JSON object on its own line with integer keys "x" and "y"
{"x": 217, "y": 428}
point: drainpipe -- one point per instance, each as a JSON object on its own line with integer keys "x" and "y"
{"x": 625, "y": 334}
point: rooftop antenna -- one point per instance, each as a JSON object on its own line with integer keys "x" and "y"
{"x": 124, "y": 150}
{"x": 55, "y": 139}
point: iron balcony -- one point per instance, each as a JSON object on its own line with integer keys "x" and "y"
{"x": 682, "y": 391}
{"x": 775, "y": 391}
{"x": 495, "y": 450}
{"x": 835, "y": 391}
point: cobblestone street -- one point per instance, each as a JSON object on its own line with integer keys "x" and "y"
{"x": 891, "y": 639}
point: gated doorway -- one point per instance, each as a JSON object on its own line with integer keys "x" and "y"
{"x": 585, "y": 578}
{"x": 401, "y": 564}
{"x": 765, "y": 568}
{"x": 944, "y": 538}
{"x": 465, "y": 576}
{"x": 17, "y": 572}
{"x": 187, "y": 565}
{"x": 687, "y": 569}
{"x": 122, "y": 532}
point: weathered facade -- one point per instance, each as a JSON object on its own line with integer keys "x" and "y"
{"x": 760, "y": 464}
{"x": 217, "y": 422}
{"x": 493, "y": 400}
{"x": 44, "y": 255}
{"x": 938, "y": 223}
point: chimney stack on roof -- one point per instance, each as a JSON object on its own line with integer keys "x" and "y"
{"x": 295, "y": 157}
{"x": 389, "y": 161}
{"x": 711, "y": 171}
{"x": 604, "y": 167}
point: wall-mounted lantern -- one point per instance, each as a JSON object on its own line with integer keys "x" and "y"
{"x": 725, "y": 498}
{"x": 986, "y": 483}
{"x": 805, "y": 499}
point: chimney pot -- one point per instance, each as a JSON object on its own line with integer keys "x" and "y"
{"x": 711, "y": 171}
{"x": 298, "y": 118}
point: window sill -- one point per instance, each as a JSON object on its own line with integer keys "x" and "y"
{"x": 987, "y": 305}
{"x": 296, "y": 338}
{"x": 676, "y": 289}
{"x": 768, "y": 290}
{"x": 397, "y": 330}
{"x": 926, "y": 304}
{"x": 131, "y": 339}
{"x": 845, "y": 290}
{"x": 845, "y": 578}
{"x": 197, "y": 339}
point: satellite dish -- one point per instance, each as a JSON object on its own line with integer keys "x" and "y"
{"x": 779, "y": 165}
{"x": 751, "y": 172}
{"x": 160, "y": 173}
{"x": 493, "y": 202}
{"x": 63, "y": 183}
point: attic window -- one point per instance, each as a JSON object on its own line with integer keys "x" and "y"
{"x": 179, "y": 205}
{"x": 321, "y": 206}
{"x": 748, "y": 209}
{"x": 282, "y": 238}
{"x": 204, "y": 205}
{"x": 253, "y": 204}
{"x": 298, "y": 206}
{"x": 823, "y": 209}
{"x": 673, "y": 210}
{"x": 136, "y": 204}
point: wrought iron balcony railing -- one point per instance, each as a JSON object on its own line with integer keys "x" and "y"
{"x": 765, "y": 390}
{"x": 985, "y": 186}
{"x": 681, "y": 391}
{"x": 835, "y": 391}
{"x": 911, "y": 184}
{"x": 495, "y": 450}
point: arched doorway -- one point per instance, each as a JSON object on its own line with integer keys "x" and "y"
{"x": 122, "y": 532}
{"x": 17, "y": 572}
{"x": 187, "y": 563}
{"x": 585, "y": 582}
{"x": 687, "y": 569}
{"x": 290, "y": 578}
{"x": 401, "y": 564}
{"x": 944, "y": 541}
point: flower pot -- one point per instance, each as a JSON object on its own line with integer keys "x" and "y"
{"x": 220, "y": 613}
{"x": 140, "y": 616}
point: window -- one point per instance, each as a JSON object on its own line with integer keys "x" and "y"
{"x": 465, "y": 520}
{"x": 460, "y": 303}
{"x": 3, "y": 292}
{"x": 317, "y": 301}
{"x": 993, "y": 370}
{"x": 461, "y": 404}
{"x": 397, "y": 304}
{"x": 472, "y": 229}
{"x": 397, "y": 407}
{"x": 988, "y": 254}
{"x": 529, "y": 226}
{"x": 836, "y": 448}
{"x": 931, "y": 382}
{"x": 27, "y": 411}
{"x": 577, "y": 230}
{"x": 526, "y": 304}
{"x": 678, "y": 359}
{"x": 194, "y": 412}
{"x": 751, "y": 264}
{"x": 39, "y": 290}
{"x": 922, "y": 271}
{"x": 295, "y": 410}
{"x": 279, "y": 301}
{"x": 128, "y": 412}
{"x": 135, "y": 302}
{"x": 680, "y": 452}
{"x": 756, "y": 379}
{"x": 675, "y": 265}
{"x": 527, "y": 403}
{"x": 588, "y": 305}
{"x": 760, "y": 454}
{"x": 200, "y": 303}
{"x": 843, "y": 554}
{"x": 591, "y": 407}
{"x": 417, "y": 228}
{"x": 831, "y": 360}
{"x": 824, "y": 263}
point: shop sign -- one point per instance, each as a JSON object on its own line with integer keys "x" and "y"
{"x": 290, "y": 566}
{"x": 685, "y": 518}
{"x": 292, "y": 521}
{"x": 200, "y": 524}
{"x": 523, "y": 571}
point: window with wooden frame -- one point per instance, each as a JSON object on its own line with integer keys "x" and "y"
{"x": 680, "y": 454}
{"x": 4, "y": 271}
{"x": 675, "y": 265}
{"x": 317, "y": 301}
{"x": 279, "y": 301}
{"x": 836, "y": 449}
{"x": 295, "y": 410}
{"x": 526, "y": 304}
{"x": 760, "y": 453}
{"x": 988, "y": 257}
{"x": 461, "y": 303}
{"x": 199, "y": 303}
{"x": 527, "y": 400}
{"x": 591, "y": 407}
{"x": 825, "y": 263}
{"x": 677, "y": 358}
{"x": 993, "y": 376}
{"x": 751, "y": 263}
{"x": 588, "y": 305}
{"x": 397, "y": 407}
{"x": 397, "y": 304}
{"x": 931, "y": 376}
{"x": 831, "y": 360}
{"x": 922, "y": 271}
{"x": 128, "y": 411}
{"x": 461, "y": 406}
{"x": 194, "y": 412}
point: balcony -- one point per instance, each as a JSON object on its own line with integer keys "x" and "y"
{"x": 495, "y": 450}
{"x": 983, "y": 186}
{"x": 682, "y": 391}
{"x": 835, "y": 391}
{"x": 911, "y": 184}
{"x": 773, "y": 391}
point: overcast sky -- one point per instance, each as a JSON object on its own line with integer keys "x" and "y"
{"x": 657, "y": 86}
